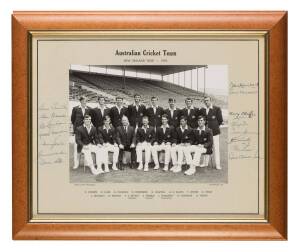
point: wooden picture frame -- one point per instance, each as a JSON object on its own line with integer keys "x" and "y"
{"x": 274, "y": 23}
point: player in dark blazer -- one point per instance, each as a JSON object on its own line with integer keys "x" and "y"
{"x": 87, "y": 141}
{"x": 136, "y": 112}
{"x": 203, "y": 143}
{"x": 184, "y": 139}
{"x": 108, "y": 139}
{"x": 214, "y": 119}
{"x": 79, "y": 112}
{"x": 145, "y": 137}
{"x": 98, "y": 114}
{"x": 191, "y": 113}
{"x": 77, "y": 118}
{"x": 117, "y": 112}
{"x": 165, "y": 137}
{"x": 126, "y": 139}
{"x": 173, "y": 113}
{"x": 154, "y": 113}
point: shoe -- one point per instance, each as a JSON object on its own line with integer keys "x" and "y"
{"x": 133, "y": 165}
{"x": 75, "y": 167}
{"x": 140, "y": 167}
{"x": 190, "y": 171}
{"x": 173, "y": 167}
{"x": 99, "y": 171}
{"x": 94, "y": 170}
{"x": 120, "y": 166}
{"x": 218, "y": 167}
{"x": 156, "y": 167}
{"x": 202, "y": 165}
{"x": 177, "y": 169}
{"x": 166, "y": 168}
{"x": 106, "y": 169}
{"x": 146, "y": 168}
{"x": 114, "y": 167}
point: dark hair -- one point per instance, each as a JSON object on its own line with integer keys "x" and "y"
{"x": 154, "y": 97}
{"x": 87, "y": 116}
{"x": 201, "y": 117}
{"x": 82, "y": 97}
{"x": 188, "y": 99}
{"x": 119, "y": 98}
{"x": 183, "y": 118}
{"x": 164, "y": 116}
{"x": 106, "y": 117}
{"x": 135, "y": 95}
{"x": 172, "y": 100}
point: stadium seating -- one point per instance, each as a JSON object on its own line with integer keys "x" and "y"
{"x": 113, "y": 86}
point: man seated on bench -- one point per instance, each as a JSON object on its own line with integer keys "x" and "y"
{"x": 87, "y": 140}
{"x": 108, "y": 139}
{"x": 145, "y": 137}
{"x": 203, "y": 143}
{"x": 165, "y": 137}
{"x": 126, "y": 140}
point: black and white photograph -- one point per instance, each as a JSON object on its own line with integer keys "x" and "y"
{"x": 148, "y": 123}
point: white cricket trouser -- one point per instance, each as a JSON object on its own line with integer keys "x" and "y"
{"x": 161, "y": 147}
{"x": 87, "y": 150}
{"x": 197, "y": 150}
{"x": 110, "y": 148}
{"x": 177, "y": 154}
{"x": 139, "y": 152}
{"x": 216, "y": 146}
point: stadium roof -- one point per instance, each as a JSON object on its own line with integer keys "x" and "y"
{"x": 158, "y": 69}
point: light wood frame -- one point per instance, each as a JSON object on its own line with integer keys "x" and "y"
{"x": 275, "y": 23}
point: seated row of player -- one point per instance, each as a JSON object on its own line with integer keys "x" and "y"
{"x": 176, "y": 143}
{"x": 136, "y": 111}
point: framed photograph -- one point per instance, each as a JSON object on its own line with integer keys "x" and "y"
{"x": 150, "y": 125}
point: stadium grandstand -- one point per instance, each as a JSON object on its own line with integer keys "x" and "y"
{"x": 178, "y": 82}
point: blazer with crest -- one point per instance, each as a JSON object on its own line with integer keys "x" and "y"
{"x": 192, "y": 117}
{"x": 135, "y": 116}
{"x": 155, "y": 119}
{"x": 148, "y": 135}
{"x": 107, "y": 136}
{"x": 214, "y": 119}
{"x": 77, "y": 116}
{"x": 173, "y": 121}
{"x": 116, "y": 117}
{"x": 82, "y": 137}
{"x": 98, "y": 117}
{"x": 187, "y": 136}
{"x": 168, "y": 136}
{"x": 205, "y": 137}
